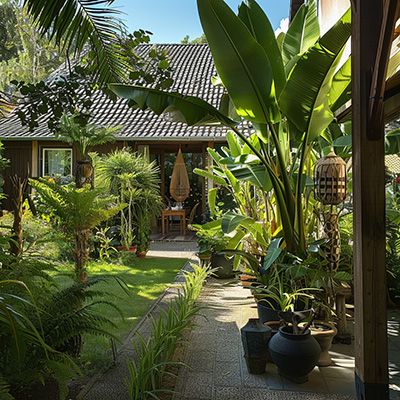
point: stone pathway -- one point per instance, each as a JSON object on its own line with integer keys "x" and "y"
{"x": 173, "y": 249}
{"x": 217, "y": 370}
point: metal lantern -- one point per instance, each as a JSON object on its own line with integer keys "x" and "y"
{"x": 330, "y": 179}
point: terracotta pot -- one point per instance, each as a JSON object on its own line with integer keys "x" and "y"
{"x": 133, "y": 248}
{"x": 324, "y": 332}
{"x": 295, "y": 355}
{"x": 141, "y": 253}
{"x": 247, "y": 280}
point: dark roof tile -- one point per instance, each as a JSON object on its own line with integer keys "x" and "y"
{"x": 193, "y": 69}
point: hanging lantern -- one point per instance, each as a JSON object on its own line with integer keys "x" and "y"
{"x": 180, "y": 185}
{"x": 330, "y": 179}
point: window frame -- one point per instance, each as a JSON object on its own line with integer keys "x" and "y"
{"x": 70, "y": 149}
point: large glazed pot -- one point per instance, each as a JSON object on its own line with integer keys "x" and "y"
{"x": 255, "y": 338}
{"x": 295, "y": 355}
{"x": 223, "y": 266}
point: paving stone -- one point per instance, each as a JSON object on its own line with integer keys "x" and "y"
{"x": 229, "y": 393}
{"x": 200, "y": 361}
{"x": 227, "y": 374}
{"x": 198, "y": 385}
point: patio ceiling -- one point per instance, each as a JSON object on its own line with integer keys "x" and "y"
{"x": 391, "y": 92}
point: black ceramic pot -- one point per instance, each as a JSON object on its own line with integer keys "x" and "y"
{"x": 267, "y": 311}
{"x": 295, "y": 355}
{"x": 255, "y": 338}
{"x": 223, "y": 266}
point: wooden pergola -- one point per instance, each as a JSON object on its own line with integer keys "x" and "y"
{"x": 375, "y": 100}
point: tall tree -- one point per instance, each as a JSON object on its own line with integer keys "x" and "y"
{"x": 25, "y": 54}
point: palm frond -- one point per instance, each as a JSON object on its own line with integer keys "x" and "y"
{"x": 75, "y": 23}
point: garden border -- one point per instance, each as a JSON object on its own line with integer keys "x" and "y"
{"x": 169, "y": 293}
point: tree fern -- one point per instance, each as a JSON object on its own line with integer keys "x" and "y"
{"x": 79, "y": 210}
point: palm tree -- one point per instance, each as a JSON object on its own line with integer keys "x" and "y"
{"x": 84, "y": 138}
{"x": 78, "y": 24}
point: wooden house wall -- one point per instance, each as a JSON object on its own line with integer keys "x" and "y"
{"x": 20, "y": 155}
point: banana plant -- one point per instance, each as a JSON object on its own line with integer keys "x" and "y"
{"x": 287, "y": 92}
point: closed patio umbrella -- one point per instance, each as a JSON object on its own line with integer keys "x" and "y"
{"x": 179, "y": 187}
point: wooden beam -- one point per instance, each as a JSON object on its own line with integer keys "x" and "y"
{"x": 390, "y": 12}
{"x": 294, "y": 7}
{"x": 369, "y": 209}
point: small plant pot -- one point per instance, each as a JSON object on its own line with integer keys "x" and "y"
{"x": 323, "y": 332}
{"x": 223, "y": 266}
{"x": 247, "y": 280}
{"x": 141, "y": 253}
{"x": 265, "y": 311}
{"x": 295, "y": 355}
{"x": 133, "y": 249}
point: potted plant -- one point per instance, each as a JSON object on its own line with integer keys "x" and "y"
{"x": 293, "y": 349}
{"x": 212, "y": 243}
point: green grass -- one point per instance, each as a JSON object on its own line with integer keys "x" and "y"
{"x": 146, "y": 279}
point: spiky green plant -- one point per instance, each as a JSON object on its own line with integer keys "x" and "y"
{"x": 135, "y": 181}
{"x": 154, "y": 356}
{"x": 79, "y": 211}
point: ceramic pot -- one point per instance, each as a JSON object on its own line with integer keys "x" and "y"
{"x": 255, "y": 337}
{"x": 295, "y": 355}
{"x": 274, "y": 325}
{"x": 223, "y": 266}
{"x": 324, "y": 333}
{"x": 268, "y": 311}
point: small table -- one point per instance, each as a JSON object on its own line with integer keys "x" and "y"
{"x": 173, "y": 213}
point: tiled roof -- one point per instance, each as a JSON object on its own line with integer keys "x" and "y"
{"x": 193, "y": 68}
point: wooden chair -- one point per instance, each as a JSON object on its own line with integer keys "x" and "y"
{"x": 192, "y": 214}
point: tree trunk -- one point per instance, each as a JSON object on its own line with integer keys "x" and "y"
{"x": 82, "y": 238}
{"x": 16, "y": 244}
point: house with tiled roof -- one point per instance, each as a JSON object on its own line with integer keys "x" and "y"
{"x": 38, "y": 153}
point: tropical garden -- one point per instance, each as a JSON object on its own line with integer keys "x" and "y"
{"x": 73, "y": 277}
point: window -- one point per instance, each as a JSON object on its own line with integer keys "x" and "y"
{"x": 57, "y": 162}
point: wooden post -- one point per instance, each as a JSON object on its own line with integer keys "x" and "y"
{"x": 35, "y": 159}
{"x": 294, "y": 7}
{"x": 371, "y": 350}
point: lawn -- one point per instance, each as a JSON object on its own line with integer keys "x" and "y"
{"x": 146, "y": 279}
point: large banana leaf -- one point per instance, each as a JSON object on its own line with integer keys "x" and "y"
{"x": 241, "y": 62}
{"x": 340, "y": 91}
{"x": 261, "y": 29}
{"x": 188, "y": 109}
{"x": 74, "y": 23}
{"x": 302, "y": 33}
{"x": 307, "y": 105}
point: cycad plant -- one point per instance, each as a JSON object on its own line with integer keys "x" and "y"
{"x": 287, "y": 90}
{"x": 79, "y": 211}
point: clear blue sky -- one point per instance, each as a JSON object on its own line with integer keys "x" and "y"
{"x": 171, "y": 20}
